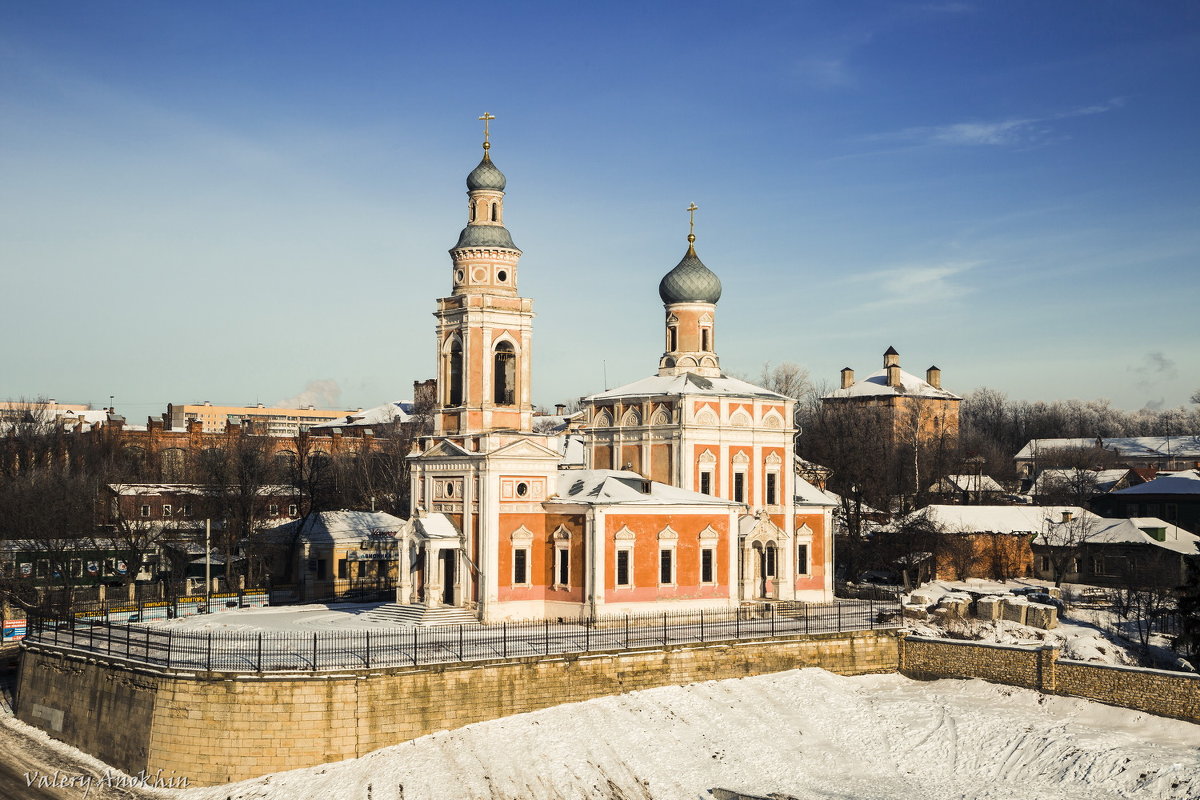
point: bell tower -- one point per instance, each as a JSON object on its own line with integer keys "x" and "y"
{"x": 484, "y": 329}
{"x": 690, "y": 293}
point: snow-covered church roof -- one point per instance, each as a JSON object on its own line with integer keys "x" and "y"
{"x": 688, "y": 383}
{"x": 609, "y": 486}
{"x": 379, "y": 415}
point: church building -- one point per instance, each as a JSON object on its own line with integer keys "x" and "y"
{"x": 687, "y": 498}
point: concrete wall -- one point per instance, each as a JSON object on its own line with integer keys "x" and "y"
{"x": 226, "y": 727}
{"x": 1168, "y": 694}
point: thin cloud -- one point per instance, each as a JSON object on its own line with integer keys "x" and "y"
{"x": 1153, "y": 369}
{"x": 916, "y": 284}
{"x": 1018, "y": 131}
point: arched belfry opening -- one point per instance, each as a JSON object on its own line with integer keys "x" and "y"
{"x": 504, "y": 375}
{"x": 454, "y": 372}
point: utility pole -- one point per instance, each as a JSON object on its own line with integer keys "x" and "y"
{"x": 207, "y": 562}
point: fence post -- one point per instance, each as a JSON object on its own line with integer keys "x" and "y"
{"x": 664, "y": 629}
{"x": 587, "y": 636}
{"x": 258, "y": 657}
{"x": 314, "y": 658}
{"x": 147, "y": 642}
{"x": 368, "y": 650}
{"x": 737, "y": 622}
{"x": 772, "y": 621}
{"x": 806, "y": 619}
{"x": 208, "y": 654}
{"x": 414, "y": 643}
{"x": 839, "y": 608}
{"x": 702, "y": 625}
{"x": 547, "y": 629}
{"x": 626, "y": 631}
{"x": 504, "y": 638}
{"x": 460, "y": 642}
{"x": 169, "y": 636}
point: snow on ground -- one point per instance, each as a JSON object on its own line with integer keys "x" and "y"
{"x": 312, "y": 617}
{"x": 805, "y": 734}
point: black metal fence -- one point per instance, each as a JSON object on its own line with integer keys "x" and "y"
{"x": 291, "y": 651}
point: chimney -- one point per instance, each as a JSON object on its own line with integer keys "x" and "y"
{"x": 560, "y": 409}
{"x": 893, "y": 375}
{"x": 847, "y": 377}
{"x": 891, "y": 358}
{"x": 933, "y": 376}
{"x": 1067, "y": 516}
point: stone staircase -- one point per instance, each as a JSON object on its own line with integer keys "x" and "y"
{"x": 418, "y": 614}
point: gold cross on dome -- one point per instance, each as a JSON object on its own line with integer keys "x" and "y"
{"x": 692, "y": 209}
{"x": 486, "y": 119}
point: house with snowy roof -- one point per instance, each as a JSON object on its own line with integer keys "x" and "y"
{"x": 674, "y": 491}
{"x": 1080, "y": 484}
{"x": 969, "y": 488}
{"x": 1181, "y": 451}
{"x": 1140, "y": 552}
{"x": 910, "y": 408}
{"x": 332, "y": 554}
{"x": 1172, "y": 496}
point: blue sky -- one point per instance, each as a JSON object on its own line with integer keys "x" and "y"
{"x": 234, "y": 201}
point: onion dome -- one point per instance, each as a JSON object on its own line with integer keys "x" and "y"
{"x": 485, "y": 236}
{"x": 486, "y": 176}
{"x": 690, "y": 281}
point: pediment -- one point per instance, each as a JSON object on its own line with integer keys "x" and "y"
{"x": 524, "y": 448}
{"x": 443, "y": 449}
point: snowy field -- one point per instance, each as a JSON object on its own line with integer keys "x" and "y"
{"x": 805, "y": 734}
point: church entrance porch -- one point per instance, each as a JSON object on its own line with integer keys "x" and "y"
{"x": 431, "y": 569}
{"x": 761, "y": 569}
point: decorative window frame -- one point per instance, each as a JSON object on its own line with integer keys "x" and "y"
{"x": 741, "y": 466}
{"x": 562, "y": 552}
{"x": 772, "y": 466}
{"x": 632, "y": 418}
{"x": 741, "y": 419}
{"x": 804, "y": 537}
{"x": 710, "y": 538}
{"x": 522, "y": 539}
{"x": 623, "y": 542}
{"x": 707, "y": 464}
{"x": 668, "y": 540}
{"x": 602, "y": 419}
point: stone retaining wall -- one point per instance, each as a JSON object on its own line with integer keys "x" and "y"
{"x": 216, "y": 728}
{"x": 1167, "y": 694}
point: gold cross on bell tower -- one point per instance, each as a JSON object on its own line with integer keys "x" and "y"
{"x": 486, "y": 119}
{"x": 692, "y": 209}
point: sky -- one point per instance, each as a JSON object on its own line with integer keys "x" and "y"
{"x": 253, "y": 201}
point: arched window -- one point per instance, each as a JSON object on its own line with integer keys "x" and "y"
{"x": 495, "y": 212}
{"x": 672, "y": 339}
{"x": 472, "y": 212}
{"x": 705, "y": 335}
{"x": 504, "y": 375}
{"x": 454, "y": 395}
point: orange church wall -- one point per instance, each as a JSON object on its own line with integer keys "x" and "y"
{"x": 646, "y": 528}
{"x": 717, "y": 467}
{"x": 541, "y": 557}
{"x": 816, "y": 551}
{"x": 748, "y": 495}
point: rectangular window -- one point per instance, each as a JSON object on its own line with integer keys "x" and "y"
{"x": 343, "y": 569}
{"x": 771, "y": 477}
{"x": 293, "y": 509}
{"x": 145, "y": 511}
{"x": 186, "y": 511}
{"x": 666, "y": 567}
{"x": 1045, "y": 563}
{"x": 802, "y": 559}
{"x": 321, "y": 569}
{"x": 520, "y": 566}
{"x": 166, "y": 510}
{"x": 564, "y": 566}
{"x": 769, "y": 566}
{"x": 705, "y": 483}
{"x": 273, "y": 510}
{"x": 739, "y": 487}
{"x": 76, "y": 568}
{"x": 707, "y": 565}
{"x": 623, "y": 568}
